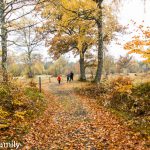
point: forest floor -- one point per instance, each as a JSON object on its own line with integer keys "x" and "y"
{"x": 73, "y": 122}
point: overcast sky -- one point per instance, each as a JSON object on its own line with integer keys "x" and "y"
{"x": 131, "y": 10}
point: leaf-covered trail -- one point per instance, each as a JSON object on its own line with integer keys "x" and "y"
{"x": 72, "y": 122}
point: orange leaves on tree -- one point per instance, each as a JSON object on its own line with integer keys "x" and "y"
{"x": 140, "y": 44}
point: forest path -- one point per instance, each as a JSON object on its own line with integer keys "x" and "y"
{"x": 72, "y": 122}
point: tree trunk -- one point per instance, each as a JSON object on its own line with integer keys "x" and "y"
{"x": 30, "y": 73}
{"x": 82, "y": 67}
{"x": 3, "y": 42}
{"x": 100, "y": 48}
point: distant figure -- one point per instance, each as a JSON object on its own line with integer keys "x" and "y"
{"x": 71, "y": 76}
{"x": 59, "y": 79}
{"x": 68, "y": 77}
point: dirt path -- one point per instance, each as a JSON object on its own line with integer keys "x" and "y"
{"x": 72, "y": 122}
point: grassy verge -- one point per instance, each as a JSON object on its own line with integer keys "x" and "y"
{"x": 129, "y": 101}
{"x": 19, "y": 106}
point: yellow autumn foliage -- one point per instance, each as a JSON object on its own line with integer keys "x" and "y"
{"x": 19, "y": 105}
{"x": 140, "y": 44}
{"x": 76, "y": 17}
{"x": 3, "y": 114}
{"x": 20, "y": 114}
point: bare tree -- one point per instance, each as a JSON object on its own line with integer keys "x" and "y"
{"x": 7, "y": 17}
{"x": 29, "y": 40}
{"x": 124, "y": 62}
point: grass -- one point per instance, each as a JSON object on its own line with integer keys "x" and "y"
{"x": 25, "y": 104}
{"x": 134, "y": 110}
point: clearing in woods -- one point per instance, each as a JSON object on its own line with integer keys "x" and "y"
{"x": 72, "y": 122}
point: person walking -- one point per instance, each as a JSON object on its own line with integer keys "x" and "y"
{"x": 71, "y": 76}
{"x": 68, "y": 77}
{"x": 59, "y": 79}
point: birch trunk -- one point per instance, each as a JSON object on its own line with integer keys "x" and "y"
{"x": 3, "y": 41}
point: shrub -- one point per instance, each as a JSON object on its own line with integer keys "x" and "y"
{"x": 32, "y": 83}
{"x": 37, "y": 102}
{"x": 141, "y": 94}
{"x": 132, "y": 102}
{"x": 18, "y": 106}
{"x": 129, "y": 97}
{"x": 143, "y": 90}
{"x": 120, "y": 94}
{"x": 5, "y": 97}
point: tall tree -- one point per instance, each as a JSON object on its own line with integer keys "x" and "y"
{"x": 72, "y": 34}
{"x": 99, "y": 23}
{"x": 29, "y": 40}
{"x": 100, "y": 36}
{"x": 62, "y": 44}
{"x": 7, "y": 9}
{"x": 75, "y": 13}
{"x": 3, "y": 39}
{"x": 93, "y": 12}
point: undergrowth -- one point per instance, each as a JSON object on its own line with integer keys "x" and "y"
{"x": 19, "y": 106}
{"x": 127, "y": 100}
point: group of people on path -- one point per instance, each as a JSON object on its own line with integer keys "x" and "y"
{"x": 69, "y": 77}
